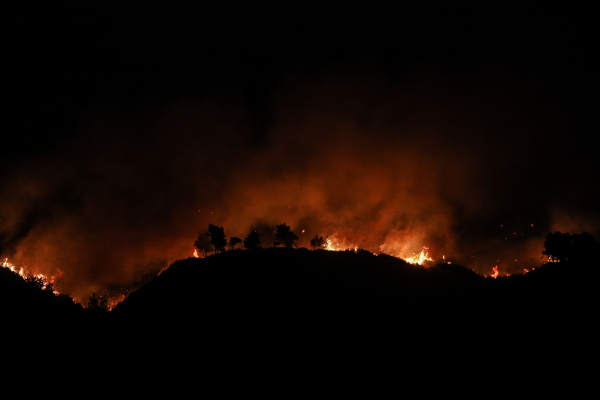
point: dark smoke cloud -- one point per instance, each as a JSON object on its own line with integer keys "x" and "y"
{"x": 371, "y": 160}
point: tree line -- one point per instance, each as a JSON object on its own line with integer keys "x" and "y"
{"x": 565, "y": 247}
{"x": 557, "y": 246}
{"x": 218, "y": 239}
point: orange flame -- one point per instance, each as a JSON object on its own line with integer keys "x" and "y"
{"x": 21, "y": 272}
{"x": 419, "y": 258}
{"x": 333, "y": 243}
{"x": 495, "y": 272}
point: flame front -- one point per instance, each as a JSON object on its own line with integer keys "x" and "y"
{"x": 419, "y": 258}
{"x": 21, "y": 272}
{"x": 333, "y": 243}
{"x": 495, "y": 272}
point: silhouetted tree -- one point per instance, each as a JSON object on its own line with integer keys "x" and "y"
{"x": 40, "y": 283}
{"x": 557, "y": 246}
{"x": 217, "y": 237}
{"x": 36, "y": 281}
{"x": 202, "y": 243}
{"x": 49, "y": 287}
{"x": 285, "y": 235}
{"x": 317, "y": 242}
{"x": 562, "y": 246}
{"x": 233, "y": 241}
{"x": 252, "y": 241}
{"x": 98, "y": 303}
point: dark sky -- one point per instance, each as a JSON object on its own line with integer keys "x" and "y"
{"x": 127, "y": 130}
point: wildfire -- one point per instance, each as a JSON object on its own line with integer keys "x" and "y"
{"x": 495, "y": 272}
{"x": 8, "y": 265}
{"x": 419, "y": 258}
{"x": 196, "y": 253}
{"x": 333, "y": 243}
{"x": 336, "y": 244}
{"x": 21, "y": 272}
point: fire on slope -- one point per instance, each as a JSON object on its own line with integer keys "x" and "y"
{"x": 21, "y": 272}
{"x": 419, "y": 258}
{"x": 333, "y": 243}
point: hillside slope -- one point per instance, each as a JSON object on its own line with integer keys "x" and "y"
{"x": 295, "y": 309}
{"x": 342, "y": 308}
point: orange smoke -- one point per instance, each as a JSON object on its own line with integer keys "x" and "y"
{"x": 364, "y": 162}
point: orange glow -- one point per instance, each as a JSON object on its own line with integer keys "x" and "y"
{"x": 23, "y": 274}
{"x": 419, "y": 258}
{"x": 334, "y": 243}
{"x": 495, "y": 272}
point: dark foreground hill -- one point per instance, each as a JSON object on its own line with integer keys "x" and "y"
{"x": 317, "y": 309}
{"x": 283, "y": 310}
{"x": 23, "y": 301}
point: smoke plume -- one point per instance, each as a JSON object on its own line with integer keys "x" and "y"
{"x": 367, "y": 160}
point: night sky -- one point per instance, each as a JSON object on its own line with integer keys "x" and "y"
{"x": 127, "y": 130}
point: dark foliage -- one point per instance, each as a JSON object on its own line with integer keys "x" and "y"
{"x": 40, "y": 283}
{"x": 252, "y": 241}
{"x": 286, "y": 236}
{"x": 98, "y": 303}
{"x": 217, "y": 237}
{"x": 562, "y": 247}
{"x": 317, "y": 242}
{"x": 203, "y": 244}
{"x": 33, "y": 299}
{"x": 36, "y": 281}
{"x": 234, "y": 241}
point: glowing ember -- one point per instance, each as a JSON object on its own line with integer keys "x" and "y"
{"x": 196, "y": 253}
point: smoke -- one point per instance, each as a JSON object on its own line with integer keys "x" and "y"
{"x": 369, "y": 160}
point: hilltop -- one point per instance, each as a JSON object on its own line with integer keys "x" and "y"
{"x": 282, "y": 308}
{"x": 317, "y": 308}
{"x": 294, "y": 282}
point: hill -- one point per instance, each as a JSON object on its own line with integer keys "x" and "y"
{"x": 282, "y": 310}
{"x": 313, "y": 309}
{"x": 22, "y": 301}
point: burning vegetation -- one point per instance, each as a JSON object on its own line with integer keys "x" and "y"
{"x": 39, "y": 280}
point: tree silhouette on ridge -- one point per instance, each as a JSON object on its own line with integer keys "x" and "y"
{"x": 252, "y": 241}
{"x": 285, "y": 235}
{"x": 233, "y": 241}
{"x": 217, "y": 237}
